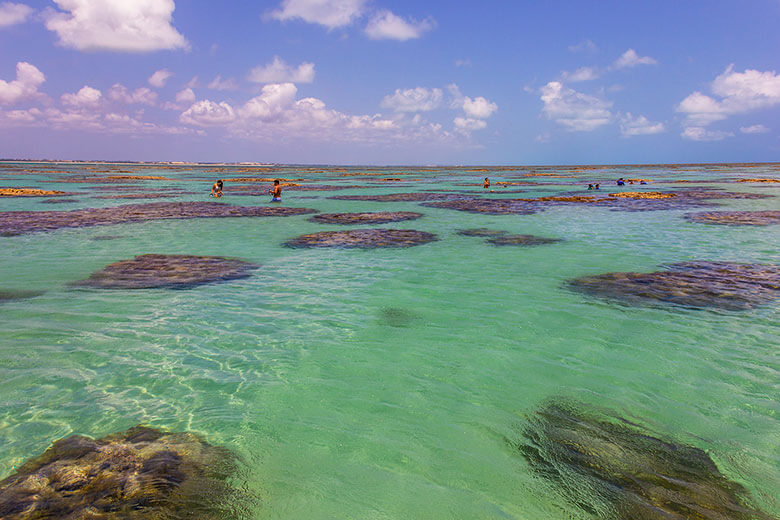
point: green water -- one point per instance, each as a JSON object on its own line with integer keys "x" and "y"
{"x": 386, "y": 383}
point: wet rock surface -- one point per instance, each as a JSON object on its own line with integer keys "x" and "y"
{"x": 28, "y": 192}
{"x": 171, "y": 271}
{"x": 489, "y": 206}
{"x": 612, "y": 469}
{"x": 378, "y": 217}
{"x": 138, "y": 474}
{"x": 736, "y": 218}
{"x": 21, "y": 222}
{"x": 9, "y": 295}
{"x": 364, "y": 238}
{"x": 521, "y": 240}
{"x": 400, "y": 197}
{"x": 481, "y": 232}
{"x": 722, "y": 285}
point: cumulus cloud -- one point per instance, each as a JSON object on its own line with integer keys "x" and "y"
{"x": 25, "y": 86}
{"x": 120, "y": 26}
{"x": 755, "y": 129}
{"x": 280, "y": 72}
{"x": 185, "y": 96}
{"x": 142, "y": 95}
{"x": 329, "y": 13}
{"x": 576, "y": 111}
{"x": 208, "y": 113}
{"x": 159, "y": 78}
{"x": 737, "y": 93}
{"x": 385, "y": 25}
{"x": 479, "y": 107}
{"x": 86, "y": 97}
{"x": 223, "y": 84}
{"x": 698, "y": 133}
{"x": 468, "y": 124}
{"x": 418, "y": 99}
{"x": 581, "y": 74}
{"x": 639, "y": 125}
{"x": 12, "y": 13}
{"x": 631, "y": 59}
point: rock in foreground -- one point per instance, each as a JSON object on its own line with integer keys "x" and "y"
{"x": 138, "y": 474}
{"x": 364, "y": 238}
{"x": 612, "y": 470}
{"x": 172, "y": 271}
{"x": 724, "y": 285}
{"x": 377, "y": 217}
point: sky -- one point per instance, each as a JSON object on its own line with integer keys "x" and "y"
{"x": 391, "y": 82}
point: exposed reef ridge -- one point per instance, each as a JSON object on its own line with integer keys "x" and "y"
{"x": 20, "y": 222}
{"x": 724, "y": 285}
{"x": 364, "y": 238}
{"x": 29, "y": 192}
{"x": 134, "y": 475}
{"x": 613, "y": 470}
{"x": 378, "y": 217}
{"x": 736, "y": 218}
{"x": 172, "y": 271}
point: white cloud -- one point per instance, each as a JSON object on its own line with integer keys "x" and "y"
{"x": 12, "y": 13}
{"x": 463, "y": 63}
{"x": 574, "y": 110}
{"x": 385, "y": 25}
{"x": 739, "y": 92}
{"x": 631, "y": 59}
{"x": 28, "y": 79}
{"x": 418, "y": 99}
{"x": 584, "y": 45}
{"x": 479, "y": 107}
{"x": 159, "y": 78}
{"x": 330, "y": 13}
{"x": 140, "y": 95}
{"x": 223, "y": 84}
{"x": 468, "y": 124}
{"x": 86, "y": 97}
{"x": 208, "y": 113}
{"x": 697, "y": 133}
{"x": 280, "y": 72}
{"x": 755, "y": 129}
{"x": 121, "y": 26}
{"x": 581, "y": 74}
{"x": 639, "y": 125}
{"x": 185, "y": 96}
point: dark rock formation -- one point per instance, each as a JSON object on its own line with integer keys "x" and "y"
{"x": 21, "y": 222}
{"x": 724, "y": 285}
{"x": 138, "y": 474}
{"x": 613, "y": 470}
{"x": 400, "y": 197}
{"x": 521, "y": 240}
{"x": 736, "y": 218}
{"x": 364, "y": 238}
{"x": 379, "y": 217}
{"x": 9, "y": 295}
{"x": 481, "y": 232}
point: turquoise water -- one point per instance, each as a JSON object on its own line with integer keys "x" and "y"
{"x": 386, "y": 383}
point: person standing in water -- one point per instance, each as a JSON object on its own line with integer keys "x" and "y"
{"x": 486, "y": 184}
{"x": 216, "y": 189}
{"x": 276, "y": 192}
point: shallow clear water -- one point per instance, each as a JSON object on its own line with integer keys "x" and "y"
{"x": 389, "y": 383}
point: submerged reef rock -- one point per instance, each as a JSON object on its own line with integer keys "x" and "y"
{"x": 396, "y": 317}
{"x": 724, "y": 285}
{"x": 58, "y": 201}
{"x": 378, "y": 217}
{"x": 400, "y": 197}
{"x": 611, "y": 469}
{"x": 138, "y": 474}
{"x": 9, "y": 295}
{"x": 481, "y": 232}
{"x": 736, "y": 218}
{"x": 173, "y": 271}
{"x": 644, "y": 195}
{"x": 521, "y": 240}
{"x": 28, "y": 192}
{"x": 489, "y": 206}
{"x": 759, "y": 180}
{"x": 20, "y": 222}
{"x": 364, "y": 238}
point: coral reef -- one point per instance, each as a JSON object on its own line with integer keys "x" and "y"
{"x": 521, "y": 240}
{"x": 379, "y": 217}
{"x": 364, "y": 238}
{"x": 736, "y": 218}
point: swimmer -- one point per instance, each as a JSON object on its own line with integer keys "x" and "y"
{"x": 597, "y": 186}
{"x": 590, "y": 186}
{"x": 621, "y": 182}
{"x": 276, "y": 192}
{"x": 216, "y": 189}
{"x": 642, "y": 182}
{"x": 486, "y": 184}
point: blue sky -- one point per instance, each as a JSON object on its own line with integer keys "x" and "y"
{"x": 391, "y": 82}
